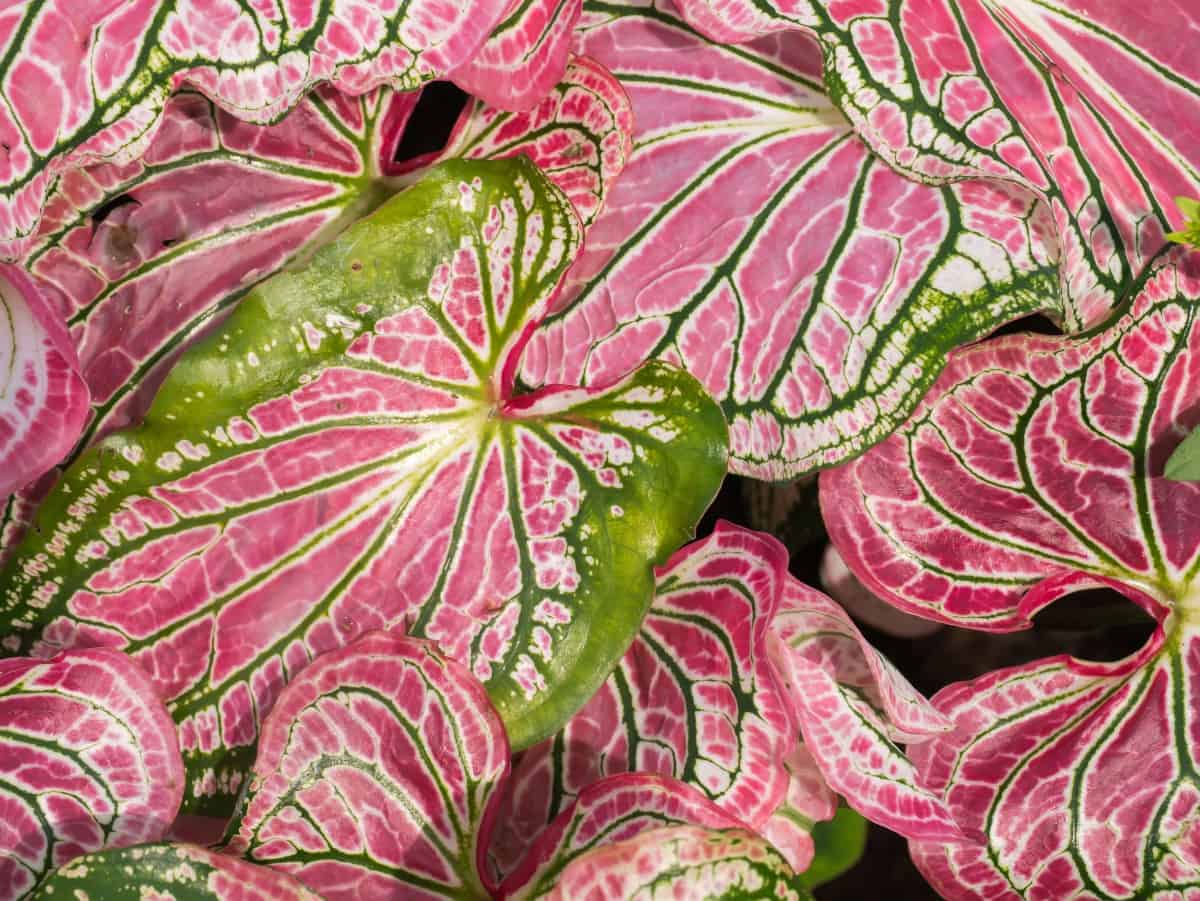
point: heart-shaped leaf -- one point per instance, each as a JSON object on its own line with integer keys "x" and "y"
{"x": 580, "y": 134}
{"x": 1086, "y": 102}
{"x": 1033, "y": 471}
{"x": 681, "y": 861}
{"x": 170, "y": 872}
{"x": 345, "y": 453}
{"x": 755, "y": 240}
{"x": 524, "y": 57}
{"x": 377, "y": 775}
{"x": 88, "y": 760}
{"x": 43, "y": 398}
{"x": 694, "y": 697}
{"x": 86, "y": 80}
{"x": 614, "y": 809}
{"x": 853, "y": 707}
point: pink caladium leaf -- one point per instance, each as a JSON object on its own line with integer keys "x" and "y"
{"x": 524, "y": 57}
{"x": 43, "y": 398}
{"x": 681, "y": 861}
{"x": 1087, "y": 102}
{"x": 613, "y": 809}
{"x": 1034, "y": 470}
{"x": 170, "y": 872}
{"x": 853, "y": 707}
{"x": 87, "y": 81}
{"x": 756, "y": 240}
{"x": 377, "y": 775}
{"x": 580, "y": 134}
{"x": 89, "y": 759}
{"x": 346, "y": 452}
{"x": 694, "y": 697}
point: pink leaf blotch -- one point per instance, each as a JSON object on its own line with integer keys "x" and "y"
{"x": 1032, "y": 471}
{"x": 89, "y": 759}
{"x": 86, "y": 80}
{"x": 377, "y": 774}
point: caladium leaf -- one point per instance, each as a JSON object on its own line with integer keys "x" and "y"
{"x": 1184, "y": 463}
{"x": 87, "y": 81}
{"x": 43, "y": 398}
{"x": 88, "y": 759}
{"x": 1033, "y": 470}
{"x": 840, "y": 843}
{"x": 524, "y": 57}
{"x": 682, "y": 861}
{"x": 614, "y": 809}
{"x": 345, "y": 453}
{"x": 170, "y": 872}
{"x": 809, "y": 801}
{"x": 853, "y": 707}
{"x": 580, "y": 134}
{"x": 757, "y": 241}
{"x": 213, "y": 206}
{"x": 1084, "y": 101}
{"x": 694, "y": 697}
{"x": 377, "y": 775}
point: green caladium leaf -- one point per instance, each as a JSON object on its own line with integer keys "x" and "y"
{"x": 169, "y": 872}
{"x": 1184, "y": 463}
{"x": 840, "y": 843}
{"x": 346, "y": 452}
{"x": 1190, "y": 233}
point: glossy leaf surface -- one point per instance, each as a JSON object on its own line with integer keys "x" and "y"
{"x": 345, "y": 453}
{"x": 754, "y": 239}
{"x": 377, "y": 775}
{"x": 840, "y": 843}
{"x": 524, "y": 57}
{"x": 86, "y": 80}
{"x": 1087, "y": 102}
{"x": 43, "y": 398}
{"x": 683, "y": 861}
{"x": 88, "y": 760}
{"x": 614, "y": 809}
{"x": 853, "y": 707}
{"x": 694, "y": 697}
{"x": 170, "y": 872}
{"x": 1033, "y": 471}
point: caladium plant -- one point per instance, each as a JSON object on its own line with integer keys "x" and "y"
{"x": 88, "y": 759}
{"x": 1034, "y": 470}
{"x": 755, "y": 240}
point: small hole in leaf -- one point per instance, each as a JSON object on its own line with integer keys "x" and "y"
{"x": 106, "y": 209}
{"x": 1097, "y": 624}
{"x": 432, "y": 120}
{"x": 167, "y": 242}
{"x": 356, "y": 266}
{"x": 1036, "y": 323}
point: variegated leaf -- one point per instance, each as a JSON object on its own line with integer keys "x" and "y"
{"x": 88, "y": 760}
{"x": 43, "y": 398}
{"x": 377, "y": 775}
{"x": 853, "y": 707}
{"x": 757, "y": 241}
{"x": 345, "y": 453}
{"x": 1033, "y": 470}
{"x": 614, "y": 809}
{"x": 580, "y": 134}
{"x": 694, "y": 697}
{"x": 1086, "y": 102}
{"x": 86, "y": 80}
{"x": 809, "y": 801}
{"x": 524, "y": 57}
{"x": 170, "y": 872}
{"x": 682, "y": 862}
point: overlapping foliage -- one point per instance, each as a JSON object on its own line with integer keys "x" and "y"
{"x": 333, "y": 478}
